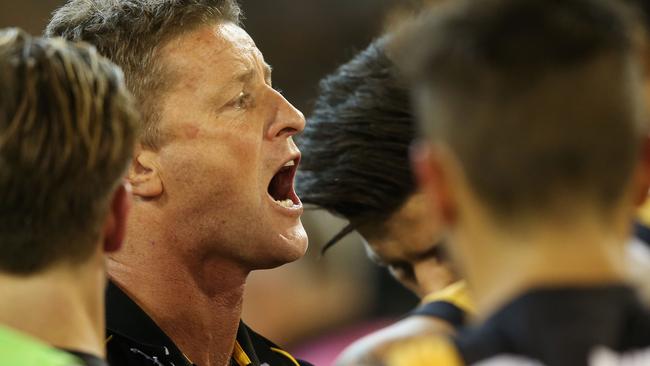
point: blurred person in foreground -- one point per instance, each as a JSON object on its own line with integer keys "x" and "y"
{"x": 639, "y": 249}
{"x": 67, "y": 129}
{"x": 356, "y": 165}
{"x": 212, "y": 179}
{"x": 536, "y": 155}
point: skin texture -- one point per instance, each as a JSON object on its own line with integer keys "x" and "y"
{"x": 231, "y": 132}
{"x": 408, "y": 247}
{"x": 202, "y": 206}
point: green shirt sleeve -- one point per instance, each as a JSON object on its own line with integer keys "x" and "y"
{"x": 21, "y": 350}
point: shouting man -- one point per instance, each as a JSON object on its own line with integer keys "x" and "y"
{"x": 212, "y": 179}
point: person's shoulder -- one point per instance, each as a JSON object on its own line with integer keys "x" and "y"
{"x": 377, "y": 343}
{"x": 424, "y": 350}
{"x": 265, "y": 350}
{"x": 452, "y": 304}
{"x": 603, "y": 356}
{"x": 20, "y": 349}
{"x": 441, "y": 313}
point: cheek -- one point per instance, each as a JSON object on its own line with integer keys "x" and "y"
{"x": 216, "y": 176}
{"x": 238, "y": 141}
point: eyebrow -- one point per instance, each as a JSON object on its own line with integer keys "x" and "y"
{"x": 248, "y": 74}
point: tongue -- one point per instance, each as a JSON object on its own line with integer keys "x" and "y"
{"x": 280, "y": 186}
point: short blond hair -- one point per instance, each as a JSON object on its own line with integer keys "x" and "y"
{"x": 67, "y": 130}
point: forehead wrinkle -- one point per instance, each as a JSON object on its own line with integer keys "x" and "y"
{"x": 245, "y": 76}
{"x": 251, "y": 64}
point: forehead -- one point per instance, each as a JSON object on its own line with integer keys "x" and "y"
{"x": 215, "y": 52}
{"x": 406, "y": 234}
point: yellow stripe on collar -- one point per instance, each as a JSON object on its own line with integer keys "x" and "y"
{"x": 285, "y": 354}
{"x": 240, "y": 356}
{"x": 456, "y": 293}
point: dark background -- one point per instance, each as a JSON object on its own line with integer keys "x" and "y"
{"x": 302, "y": 39}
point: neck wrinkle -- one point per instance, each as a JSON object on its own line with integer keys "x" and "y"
{"x": 195, "y": 299}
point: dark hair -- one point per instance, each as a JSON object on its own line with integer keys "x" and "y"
{"x": 130, "y": 32}
{"x": 540, "y": 100}
{"x": 67, "y": 130}
{"x": 355, "y": 146}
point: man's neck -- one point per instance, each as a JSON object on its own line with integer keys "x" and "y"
{"x": 502, "y": 266}
{"x": 196, "y": 301}
{"x": 63, "y": 307}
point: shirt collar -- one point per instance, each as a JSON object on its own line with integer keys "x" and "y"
{"x": 125, "y": 318}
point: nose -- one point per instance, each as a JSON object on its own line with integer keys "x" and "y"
{"x": 288, "y": 120}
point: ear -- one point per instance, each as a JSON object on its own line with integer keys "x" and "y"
{"x": 430, "y": 173}
{"x": 144, "y": 174}
{"x": 642, "y": 176}
{"x": 115, "y": 225}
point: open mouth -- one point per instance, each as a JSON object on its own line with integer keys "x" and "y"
{"x": 281, "y": 186}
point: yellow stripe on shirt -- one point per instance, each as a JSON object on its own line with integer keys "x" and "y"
{"x": 240, "y": 356}
{"x": 285, "y": 354}
{"x": 457, "y": 293}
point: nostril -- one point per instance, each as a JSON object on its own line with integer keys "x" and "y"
{"x": 289, "y": 131}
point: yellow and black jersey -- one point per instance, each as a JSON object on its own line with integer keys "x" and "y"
{"x": 451, "y": 304}
{"x": 134, "y": 339}
{"x": 553, "y": 327}
{"x": 642, "y": 233}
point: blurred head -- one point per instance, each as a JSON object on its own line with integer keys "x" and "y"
{"x": 356, "y": 165}
{"x": 533, "y": 106}
{"x": 67, "y": 128}
{"x": 217, "y": 160}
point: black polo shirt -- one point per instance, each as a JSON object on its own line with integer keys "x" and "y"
{"x": 134, "y": 339}
{"x": 449, "y": 304}
{"x": 87, "y": 359}
{"x": 561, "y": 327}
{"x": 642, "y": 232}
{"x": 442, "y": 310}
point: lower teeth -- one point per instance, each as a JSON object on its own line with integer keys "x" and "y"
{"x": 285, "y": 203}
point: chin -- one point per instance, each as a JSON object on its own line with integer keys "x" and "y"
{"x": 286, "y": 248}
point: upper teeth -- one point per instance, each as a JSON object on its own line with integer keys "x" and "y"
{"x": 290, "y": 163}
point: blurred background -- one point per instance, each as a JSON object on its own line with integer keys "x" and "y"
{"x": 318, "y": 305}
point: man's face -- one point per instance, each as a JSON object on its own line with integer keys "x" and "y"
{"x": 228, "y": 161}
{"x": 410, "y": 247}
